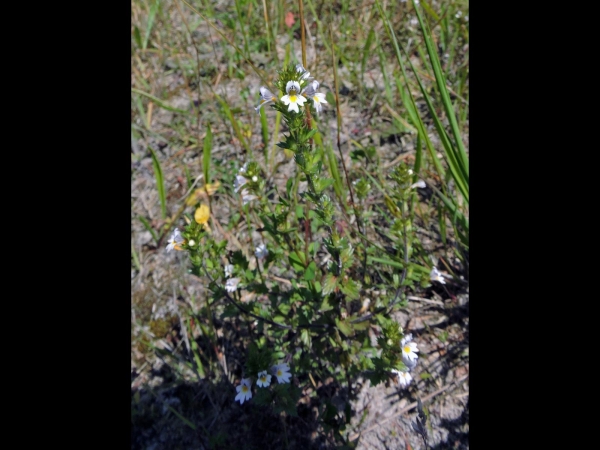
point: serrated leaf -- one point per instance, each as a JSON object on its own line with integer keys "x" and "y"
{"x": 360, "y": 326}
{"x": 323, "y": 184}
{"x": 344, "y": 327}
{"x": 330, "y": 282}
{"x": 305, "y": 337}
{"x": 279, "y": 319}
{"x": 351, "y": 288}
{"x": 325, "y": 305}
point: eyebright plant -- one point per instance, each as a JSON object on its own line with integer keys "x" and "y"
{"x": 318, "y": 290}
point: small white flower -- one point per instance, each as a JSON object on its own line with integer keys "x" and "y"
{"x": 420, "y": 184}
{"x": 266, "y": 96}
{"x": 409, "y": 350}
{"x": 254, "y": 178}
{"x": 192, "y": 243}
{"x": 261, "y": 251}
{"x": 244, "y": 167}
{"x": 293, "y": 97}
{"x": 239, "y": 182}
{"x": 231, "y": 284}
{"x": 436, "y": 275}
{"x": 282, "y": 372}
{"x": 228, "y": 270}
{"x": 264, "y": 379}
{"x": 305, "y": 74}
{"x": 404, "y": 378}
{"x": 311, "y": 88}
{"x": 175, "y": 240}
{"x": 247, "y": 196}
{"x": 243, "y": 389}
{"x": 410, "y": 172}
{"x": 317, "y": 100}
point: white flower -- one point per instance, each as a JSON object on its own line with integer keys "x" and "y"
{"x": 175, "y": 240}
{"x": 406, "y": 339}
{"x": 264, "y": 379}
{"x": 317, "y": 100}
{"x": 436, "y": 275}
{"x": 311, "y": 88}
{"x": 244, "y": 167}
{"x": 243, "y": 390}
{"x": 247, "y": 196}
{"x": 266, "y": 96}
{"x": 231, "y": 284}
{"x": 409, "y": 350}
{"x": 420, "y": 184}
{"x": 239, "y": 182}
{"x": 192, "y": 243}
{"x": 261, "y": 251}
{"x": 305, "y": 74}
{"x": 404, "y": 378}
{"x": 293, "y": 97}
{"x": 254, "y": 178}
{"x": 311, "y": 92}
{"x": 282, "y": 372}
{"x": 228, "y": 270}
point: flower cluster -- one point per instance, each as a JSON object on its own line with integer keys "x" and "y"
{"x": 299, "y": 86}
{"x": 409, "y": 358}
{"x": 231, "y": 284}
{"x": 247, "y": 180}
{"x": 280, "y": 371}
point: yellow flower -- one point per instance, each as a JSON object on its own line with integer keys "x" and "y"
{"x": 202, "y": 214}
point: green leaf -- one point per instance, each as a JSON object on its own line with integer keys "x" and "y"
{"x": 137, "y": 37}
{"x": 159, "y": 102}
{"x": 351, "y": 288}
{"x": 279, "y": 319}
{"x": 305, "y": 337}
{"x": 151, "y": 16}
{"x": 360, "y": 326}
{"x": 284, "y": 308}
{"x": 329, "y": 284}
{"x": 160, "y": 183}
{"x": 325, "y": 305}
{"x": 148, "y": 227}
{"x": 345, "y": 327}
{"x": 322, "y": 184}
{"x": 309, "y": 274}
{"x": 297, "y": 261}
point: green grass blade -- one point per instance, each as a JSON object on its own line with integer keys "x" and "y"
{"x": 206, "y": 154}
{"x": 159, "y": 102}
{"x": 150, "y": 24}
{"x": 148, "y": 227}
{"x": 409, "y": 100}
{"x": 234, "y": 123}
{"x": 441, "y": 83}
{"x": 338, "y": 185}
{"x": 160, "y": 183}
